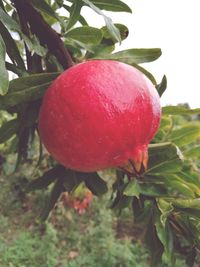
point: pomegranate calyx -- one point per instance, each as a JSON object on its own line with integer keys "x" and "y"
{"x": 137, "y": 165}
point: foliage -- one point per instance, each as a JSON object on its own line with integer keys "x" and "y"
{"x": 165, "y": 199}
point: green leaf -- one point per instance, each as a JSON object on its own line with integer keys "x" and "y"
{"x": 154, "y": 244}
{"x": 179, "y": 110}
{"x": 27, "y": 88}
{"x": 193, "y": 152}
{"x": 162, "y": 86}
{"x": 122, "y": 29}
{"x": 81, "y": 18}
{"x": 132, "y": 189}
{"x": 112, "y": 5}
{"x": 186, "y": 134}
{"x": 4, "y": 82}
{"x": 135, "y": 56}
{"x": 45, "y": 180}
{"x": 111, "y": 27}
{"x": 95, "y": 183}
{"x": 100, "y": 50}
{"x": 176, "y": 183}
{"x": 10, "y": 23}
{"x": 86, "y": 34}
{"x": 41, "y": 5}
{"x": 11, "y": 47}
{"x": 185, "y": 203}
{"x": 165, "y": 208}
{"x": 166, "y": 236}
{"x": 164, "y": 158}
{"x": 8, "y": 129}
{"x": 74, "y": 11}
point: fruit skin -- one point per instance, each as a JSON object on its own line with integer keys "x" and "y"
{"x": 99, "y": 114}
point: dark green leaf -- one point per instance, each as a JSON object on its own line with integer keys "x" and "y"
{"x": 71, "y": 180}
{"x": 46, "y": 179}
{"x": 162, "y": 86}
{"x": 8, "y": 129}
{"x": 54, "y": 196}
{"x": 141, "y": 211}
{"x": 186, "y": 134}
{"x": 135, "y": 56}
{"x": 74, "y": 11}
{"x": 10, "y": 23}
{"x": 11, "y": 47}
{"x": 81, "y": 18}
{"x": 166, "y": 236}
{"x": 41, "y": 5}
{"x": 112, "y": 5}
{"x": 164, "y": 158}
{"x": 27, "y": 88}
{"x": 95, "y": 183}
{"x": 154, "y": 244}
{"x": 86, "y": 34}
{"x": 179, "y": 110}
{"x": 4, "y": 82}
{"x": 16, "y": 70}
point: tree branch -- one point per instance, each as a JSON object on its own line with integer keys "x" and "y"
{"x": 25, "y": 30}
{"x": 45, "y": 33}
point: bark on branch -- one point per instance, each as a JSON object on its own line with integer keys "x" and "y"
{"x": 44, "y": 32}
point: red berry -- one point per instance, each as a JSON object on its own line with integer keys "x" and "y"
{"x": 100, "y": 114}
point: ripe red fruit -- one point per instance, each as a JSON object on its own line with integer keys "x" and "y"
{"x": 100, "y": 114}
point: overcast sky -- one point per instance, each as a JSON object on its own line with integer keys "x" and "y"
{"x": 173, "y": 26}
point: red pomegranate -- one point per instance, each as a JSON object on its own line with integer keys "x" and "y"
{"x": 100, "y": 114}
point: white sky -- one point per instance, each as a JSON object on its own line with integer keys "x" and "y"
{"x": 174, "y": 26}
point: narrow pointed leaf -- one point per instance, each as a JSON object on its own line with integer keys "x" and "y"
{"x": 112, "y": 5}
{"x": 41, "y": 5}
{"x": 135, "y": 56}
{"x": 11, "y": 47}
{"x": 4, "y": 82}
{"x": 45, "y": 180}
{"x": 95, "y": 183}
{"x": 162, "y": 86}
{"x": 74, "y": 11}
{"x": 54, "y": 196}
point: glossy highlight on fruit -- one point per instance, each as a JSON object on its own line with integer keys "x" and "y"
{"x": 100, "y": 114}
